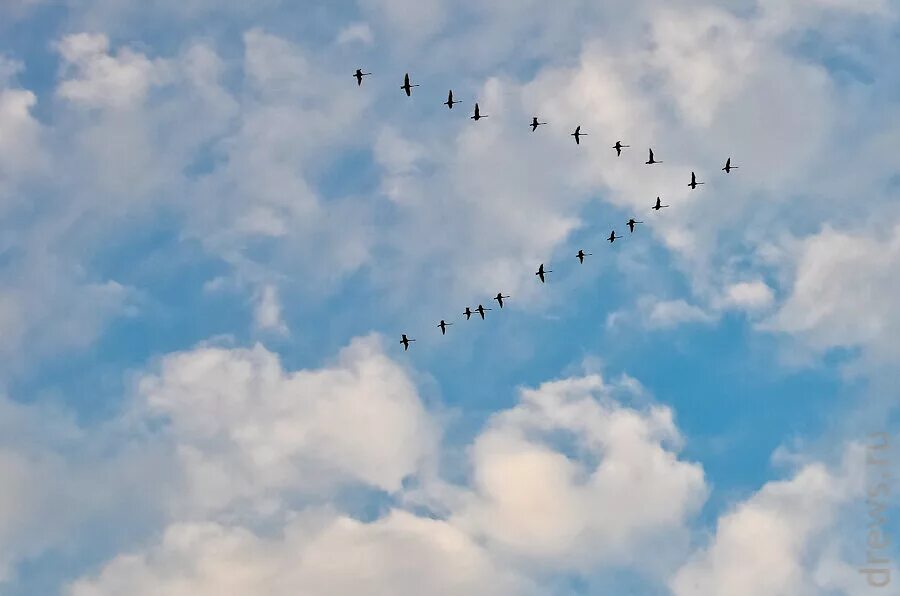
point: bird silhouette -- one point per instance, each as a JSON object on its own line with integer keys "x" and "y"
{"x": 406, "y": 341}
{"x": 728, "y": 167}
{"x": 631, "y": 223}
{"x": 694, "y": 184}
{"x": 478, "y": 115}
{"x": 578, "y": 134}
{"x": 540, "y": 272}
{"x": 658, "y": 205}
{"x": 480, "y": 310}
{"x": 612, "y": 237}
{"x": 581, "y": 254}
{"x": 651, "y": 160}
{"x": 535, "y": 124}
{"x": 359, "y": 74}
{"x": 618, "y": 147}
{"x": 450, "y": 103}
{"x": 406, "y": 86}
{"x": 468, "y": 313}
{"x": 499, "y": 298}
{"x": 444, "y": 326}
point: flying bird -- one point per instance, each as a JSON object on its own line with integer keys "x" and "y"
{"x": 581, "y": 254}
{"x": 612, "y": 237}
{"x": 618, "y": 147}
{"x": 406, "y": 86}
{"x": 406, "y": 341}
{"x": 477, "y": 115}
{"x": 359, "y": 74}
{"x": 480, "y": 310}
{"x": 535, "y": 124}
{"x": 540, "y": 272}
{"x": 631, "y": 223}
{"x": 651, "y": 160}
{"x": 499, "y": 298}
{"x": 450, "y": 103}
{"x": 468, "y": 313}
{"x": 578, "y": 134}
{"x": 444, "y": 326}
{"x": 694, "y": 184}
{"x": 658, "y": 205}
{"x": 728, "y": 167}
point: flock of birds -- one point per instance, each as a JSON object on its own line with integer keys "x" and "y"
{"x": 541, "y": 272}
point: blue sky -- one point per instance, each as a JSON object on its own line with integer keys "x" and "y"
{"x": 212, "y": 240}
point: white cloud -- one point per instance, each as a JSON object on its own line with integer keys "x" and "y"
{"x": 665, "y": 314}
{"x": 844, "y": 293}
{"x": 317, "y": 554}
{"x": 572, "y": 479}
{"x": 356, "y": 32}
{"x": 245, "y": 430}
{"x": 267, "y": 312}
{"x": 749, "y": 295}
{"x": 770, "y": 543}
{"x": 101, "y": 79}
{"x": 21, "y": 151}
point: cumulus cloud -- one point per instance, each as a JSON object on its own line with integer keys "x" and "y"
{"x": 100, "y": 79}
{"x": 572, "y": 479}
{"x": 771, "y": 542}
{"x": 844, "y": 293}
{"x": 267, "y": 312}
{"x": 356, "y": 32}
{"x": 318, "y": 553}
{"x": 749, "y": 295}
{"x": 247, "y": 431}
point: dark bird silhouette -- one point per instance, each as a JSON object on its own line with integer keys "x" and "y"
{"x": 578, "y": 134}
{"x": 499, "y": 298}
{"x": 612, "y": 237}
{"x": 581, "y": 254}
{"x": 535, "y": 124}
{"x": 651, "y": 160}
{"x": 694, "y": 184}
{"x": 480, "y": 310}
{"x": 450, "y": 103}
{"x": 658, "y": 205}
{"x": 728, "y": 167}
{"x": 444, "y": 326}
{"x": 540, "y": 272}
{"x": 406, "y": 341}
{"x": 618, "y": 147}
{"x": 406, "y": 86}
{"x": 359, "y": 74}
{"x": 468, "y": 313}
{"x": 477, "y": 116}
{"x": 631, "y": 223}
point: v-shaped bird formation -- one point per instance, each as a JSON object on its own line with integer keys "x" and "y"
{"x": 541, "y": 273}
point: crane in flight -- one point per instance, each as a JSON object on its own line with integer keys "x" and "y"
{"x": 359, "y": 74}
{"x": 535, "y": 124}
{"x": 694, "y": 184}
{"x": 450, "y": 103}
{"x": 578, "y": 134}
{"x": 406, "y": 86}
